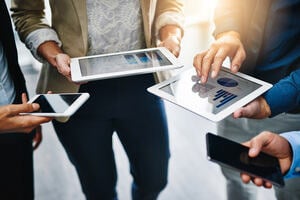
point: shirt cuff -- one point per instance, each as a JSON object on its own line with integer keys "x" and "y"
{"x": 293, "y": 138}
{"x": 39, "y": 36}
{"x": 169, "y": 18}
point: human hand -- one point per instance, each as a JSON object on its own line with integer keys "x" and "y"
{"x": 227, "y": 44}
{"x": 172, "y": 43}
{"x": 50, "y": 51}
{"x": 12, "y": 121}
{"x": 63, "y": 65}
{"x": 274, "y": 145}
{"x": 170, "y": 38}
{"x": 256, "y": 109}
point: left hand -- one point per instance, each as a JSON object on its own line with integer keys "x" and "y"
{"x": 170, "y": 38}
{"x": 256, "y": 109}
{"x": 172, "y": 43}
{"x": 38, "y": 137}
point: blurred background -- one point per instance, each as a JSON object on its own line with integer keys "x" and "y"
{"x": 191, "y": 175}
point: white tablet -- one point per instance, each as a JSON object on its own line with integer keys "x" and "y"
{"x": 214, "y": 100}
{"x": 58, "y": 105}
{"x": 113, "y": 65}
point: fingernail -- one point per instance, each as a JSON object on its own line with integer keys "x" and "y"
{"x": 252, "y": 151}
{"x": 235, "y": 68}
{"x": 213, "y": 74}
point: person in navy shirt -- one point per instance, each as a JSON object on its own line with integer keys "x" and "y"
{"x": 261, "y": 38}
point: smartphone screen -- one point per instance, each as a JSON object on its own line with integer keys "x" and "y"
{"x": 234, "y": 155}
{"x": 55, "y": 103}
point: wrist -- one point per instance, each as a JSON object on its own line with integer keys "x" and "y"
{"x": 265, "y": 107}
{"x": 49, "y": 51}
{"x": 233, "y": 34}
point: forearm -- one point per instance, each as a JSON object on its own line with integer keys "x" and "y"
{"x": 284, "y": 96}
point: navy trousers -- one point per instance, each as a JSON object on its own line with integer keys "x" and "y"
{"x": 120, "y": 105}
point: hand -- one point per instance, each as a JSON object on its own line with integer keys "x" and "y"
{"x": 55, "y": 56}
{"x": 63, "y": 65}
{"x": 11, "y": 121}
{"x": 38, "y": 137}
{"x": 256, "y": 109}
{"x": 227, "y": 44}
{"x": 172, "y": 43}
{"x": 170, "y": 37}
{"x": 274, "y": 145}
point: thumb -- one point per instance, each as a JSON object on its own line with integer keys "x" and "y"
{"x": 255, "y": 147}
{"x": 23, "y": 108}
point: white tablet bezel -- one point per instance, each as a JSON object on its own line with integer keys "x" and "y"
{"x": 68, "y": 112}
{"x": 77, "y": 76}
{"x": 264, "y": 86}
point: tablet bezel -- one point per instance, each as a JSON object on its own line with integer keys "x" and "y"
{"x": 68, "y": 112}
{"x": 77, "y": 76}
{"x": 264, "y": 86}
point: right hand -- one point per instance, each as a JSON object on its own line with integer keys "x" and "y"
{"x": 227, "y": 44}
{"x": 54, "y": 55}
{"x": 12, "y": 121}
{"x": 273, "y": 144}
{"x": 63, "y": 65}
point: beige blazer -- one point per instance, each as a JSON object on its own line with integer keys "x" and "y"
{"x": 69, "y": 20}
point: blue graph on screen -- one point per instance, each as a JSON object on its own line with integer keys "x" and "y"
{"x": 224, "y": 97}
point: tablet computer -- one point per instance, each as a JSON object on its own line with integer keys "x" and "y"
{"x": 216, "y": 99}
{"x": 58, "y": 105}
{"x": 235, "y": 155}
{"x": 120, "y": 64}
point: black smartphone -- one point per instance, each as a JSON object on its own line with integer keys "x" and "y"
{"x": 235, "y": 155}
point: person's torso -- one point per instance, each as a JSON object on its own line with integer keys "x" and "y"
{"x": 280, "y": 50}
{"x": 7, "y": 90}
{"x": 114, "y": 25}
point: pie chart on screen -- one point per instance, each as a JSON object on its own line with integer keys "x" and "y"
{"x": 227, "y": 82}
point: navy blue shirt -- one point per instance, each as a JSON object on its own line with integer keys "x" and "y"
{"x": 279, "y": 57}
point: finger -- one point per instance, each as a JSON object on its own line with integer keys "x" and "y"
{"x": 268, "y": 185}
{"x": 258, "y": 181}
{"x": 255, "y": 146}
{"x": 38, "y": 137}
{"x": 24, "y": 98}
{"x": 22, "y": 108}
{"x": 198, "y": 62}
{"x": 206, "y": 64}
{"x": 245, "y": 178}
{"x": 238, "y": 113}
{"x": 218, "y": 61}
{"x": 237, "y": 60}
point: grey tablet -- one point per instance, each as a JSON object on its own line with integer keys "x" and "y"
{"x": 127, "y": 63}
{"x": 214, "y": 100}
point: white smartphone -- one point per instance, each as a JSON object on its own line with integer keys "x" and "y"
{"x": 58, "y": 105}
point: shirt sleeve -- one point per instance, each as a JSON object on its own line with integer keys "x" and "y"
{"x": 39, "y": 36}
{"x": 284, "y": 96}
{"x": 294, "y": 140}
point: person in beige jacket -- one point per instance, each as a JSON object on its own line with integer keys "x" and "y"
{"x": 121, "y": 105}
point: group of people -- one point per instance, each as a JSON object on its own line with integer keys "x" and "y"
{"x": 259, "y": 36}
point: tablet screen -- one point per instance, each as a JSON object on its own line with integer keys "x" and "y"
{"x": 53, "y": 103}
{"x": 122, "y": 62}
{"x": 214, "y": 96}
